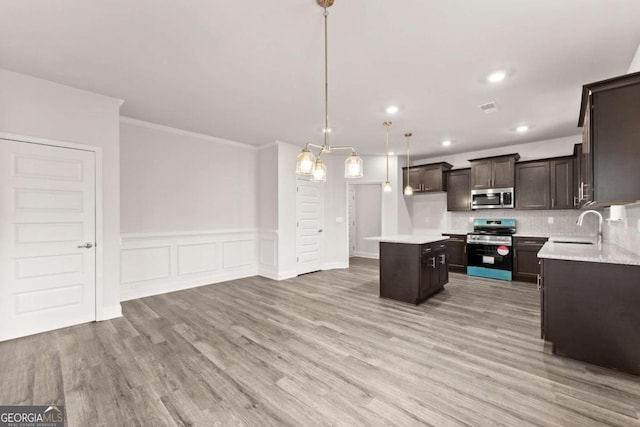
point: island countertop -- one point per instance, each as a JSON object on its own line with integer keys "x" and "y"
{"x": 409, "y": 239}
{"x": 608, "y": 253}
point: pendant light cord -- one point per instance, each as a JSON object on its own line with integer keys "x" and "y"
{"x": 408, "y": 135}
{"x": 326, "y": 77}
{"x": 387, "y": 146}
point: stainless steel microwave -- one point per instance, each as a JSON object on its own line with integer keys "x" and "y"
{"x": 495, "y": 198}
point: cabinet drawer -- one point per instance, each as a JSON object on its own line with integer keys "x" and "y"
{"x": 529, "y": 242}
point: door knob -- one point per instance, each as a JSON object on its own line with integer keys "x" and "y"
{"x": 320, "y": 231}
{"x": 86, "y": 246}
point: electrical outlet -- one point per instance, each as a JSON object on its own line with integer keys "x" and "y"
{"x": 550, "y": 220}
{"x": 471, "y": 221}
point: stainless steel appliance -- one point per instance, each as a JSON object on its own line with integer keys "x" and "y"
{"x": 489, "y": 248}
{"x": 495, "y": 198}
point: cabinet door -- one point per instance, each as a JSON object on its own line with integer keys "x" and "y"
{"x": 415, "y": 179}
{"x": 503, "y": 172}
{"x": 577, "y": 174}
{"x": 443, "y": 268}
{"x": 432, "y": 179}
{"x": 481, "y": 174}
{"x": 562, "y": 190}
{"x": 459, "y": 190}
{"x": 542, "y": 301}
{"x": 457, "y": 252}
{"x": 525, "y": 260}
{"x": 616, "y": 144}
{"x": 532, "y": 185}
{"x": 586, "y": 165}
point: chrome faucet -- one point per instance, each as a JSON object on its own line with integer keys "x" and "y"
{"x": 581, "y": 218}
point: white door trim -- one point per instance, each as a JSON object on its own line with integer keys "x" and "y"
{"x": 100, "y": 315}
{"x": 382, "y": 215}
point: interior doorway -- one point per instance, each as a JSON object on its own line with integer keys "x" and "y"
{"x": 309, "y": 226}
{"x": 365, "y": 219}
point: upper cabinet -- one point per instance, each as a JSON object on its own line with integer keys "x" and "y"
{"x": 493, "y": 172}
{"x": 610, "y": 149}
{"x": 545, "y": 184}
{"x": 458, "y": 190}
{"x": 426, "y": 178}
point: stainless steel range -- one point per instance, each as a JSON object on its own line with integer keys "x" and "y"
{"x": 489, "y": 247}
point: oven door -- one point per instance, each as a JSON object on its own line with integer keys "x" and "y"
{"x": 490, "y": 260}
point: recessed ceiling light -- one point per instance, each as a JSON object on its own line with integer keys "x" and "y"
{"x": 496, "y": 76}
{"x": 326, "y": 130}
{"x": 446, "y": 143}
{"x": 391, "y": 153}
{"x": 392, "y": 109}
{"x": 522, "y": 129}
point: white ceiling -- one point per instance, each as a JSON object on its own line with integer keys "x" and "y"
{"x": 251, "y": 71}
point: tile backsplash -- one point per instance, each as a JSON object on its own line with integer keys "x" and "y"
{"x": 625, "y": 232}
{"x": 532, "y": 222}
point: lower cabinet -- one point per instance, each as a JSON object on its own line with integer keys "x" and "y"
{"x": 525, "y": 258}
{"x": 589, "y": 312}
{"x": 457, "y": 252}
{"x": 411, "y": 272}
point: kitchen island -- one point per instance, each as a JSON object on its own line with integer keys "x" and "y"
{"x": 412, "y": 268}
{"x": 590, "y": 295}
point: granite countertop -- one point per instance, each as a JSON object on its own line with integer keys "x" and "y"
{"x": 608, "y": 253}
{"x": 409, "y": 238}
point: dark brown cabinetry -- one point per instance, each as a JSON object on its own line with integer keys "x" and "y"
{"x": 411, "y": 272}
{"x": 545, "y": 184}
{"x": 610, "y": 148}
{"x": 589, "y": 312}
{"x": 493, "y": 172}
{"x": 458, "y": 184}
{"x": 525, "y": 258}
{"x": 457, "y": 252}
{"x": 426, "y": 178}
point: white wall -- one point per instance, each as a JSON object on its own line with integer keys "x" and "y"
{"x": 180, "y": 182}
{"x": 635, "y": 63}
{"x": 189, "y": 209}
{"x": 368, "y": 204}
{"x": 287, "y": 209}
{"x": 268, "y": 211}
{"x": 40, "y": 108}
{"x": 529, "y": 151}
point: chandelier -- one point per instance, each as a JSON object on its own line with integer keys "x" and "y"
{"x": 306, "y": 162}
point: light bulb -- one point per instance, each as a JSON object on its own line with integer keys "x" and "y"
{"x": 387, "y": 187}
{"x": 408, "y": 190}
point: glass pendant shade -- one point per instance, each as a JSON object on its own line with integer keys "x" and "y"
{"x": 387, "y": 187}
{"x": 408, "y": 190}
{"x": 305, "y": 162}
{"x": 319, "y": 173}
{"x": 353, "y": 166}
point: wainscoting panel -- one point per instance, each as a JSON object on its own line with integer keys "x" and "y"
{"x": 268, "y": 254}
{"x": 157, "y": 263}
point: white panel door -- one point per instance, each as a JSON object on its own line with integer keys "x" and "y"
{"x": 47, "y": 217}
{"x": 309, "y": 235}
{"x": 352, "y": 220}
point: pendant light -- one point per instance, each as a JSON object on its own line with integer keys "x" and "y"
{"x": 306, "y": 163}
{"x": 408, "y": 190}
{"x": 387, "y": 185}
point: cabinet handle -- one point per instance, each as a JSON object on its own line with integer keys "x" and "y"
{"x": 575, "y": 202}
{"x": 433, "y": 263}
{"x": 553, "y": 203}
{"x": 443, "y": 258}
{"x": 539, "y": 282}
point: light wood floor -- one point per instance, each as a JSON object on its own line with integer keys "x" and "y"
{"x": 321, "y": 349}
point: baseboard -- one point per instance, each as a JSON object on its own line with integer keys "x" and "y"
{"x": 111, "y": 312}
{"x": 335, "y": 265}
{"x": 142, "y": 291}
{"x": 284, "y": 275}
{"x": 370, "y": 255}
{"x": 268, "y": 272}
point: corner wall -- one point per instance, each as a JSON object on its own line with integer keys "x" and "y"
{"x": 189, "y": 209}
{"x": 40, "y": 108}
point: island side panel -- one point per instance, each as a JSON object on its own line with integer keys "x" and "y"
{"x": 593, "y": 312}
{"x": 399, "y": 271}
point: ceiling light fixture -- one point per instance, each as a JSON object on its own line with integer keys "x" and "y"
{"x": 446, "y": 143}
{"x": 392, "y": 109}
{"x": 408, "y": 190}
{"x": 387, "y": 184}
{"x": 306, "y": 162}
{"x": 496, "y": 76}
{"x": 391, "y": 153}
{"x": 522, "y": 129}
